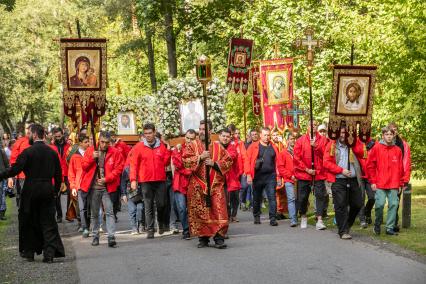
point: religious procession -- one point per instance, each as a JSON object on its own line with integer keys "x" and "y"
{"x": 300, "y": 151}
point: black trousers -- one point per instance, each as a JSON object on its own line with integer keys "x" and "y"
{"x": 304, "y": 189}
{"x": 168, "y": 202}
{"x": 154, "y": 192}
{"x": 366, "y": 209}
{"x": 233, "y": 202}
{"x": 346, "y": 193}
{"x": 58, "y": 200}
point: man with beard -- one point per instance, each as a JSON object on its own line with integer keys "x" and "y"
{"x": 406, "y": 165}
{"x": 38, "y": 229}
{"x": 61, "y": 148}
{"x": 206, "y": 222}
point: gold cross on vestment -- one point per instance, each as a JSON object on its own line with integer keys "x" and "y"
{"x": 311, "y": 44}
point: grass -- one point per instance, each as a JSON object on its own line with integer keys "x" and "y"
{"x": 413, "y": 238}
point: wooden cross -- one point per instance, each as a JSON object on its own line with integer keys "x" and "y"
{"x": 311, "y": 44}
{"x": 295, "y": 111}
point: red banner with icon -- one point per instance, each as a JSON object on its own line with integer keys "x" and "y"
{"x": 239, "y": 59}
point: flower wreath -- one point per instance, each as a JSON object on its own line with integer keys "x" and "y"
{"x": 178, "y": 91}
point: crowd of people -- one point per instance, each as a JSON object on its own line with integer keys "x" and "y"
{"x": 197, "y": 190}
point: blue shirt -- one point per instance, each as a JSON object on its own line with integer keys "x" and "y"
{"x": 343, "y": 160}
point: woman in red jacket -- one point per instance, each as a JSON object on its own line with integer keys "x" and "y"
{"x": 386, "y": 174}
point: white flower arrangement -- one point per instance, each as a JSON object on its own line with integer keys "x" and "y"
{"x": 178, "y": 91}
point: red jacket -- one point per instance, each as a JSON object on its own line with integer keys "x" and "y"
{"x": 113, "y": 167}
{"x": 252, "y": 154}
{"x": 285, "y": 166}
{"x": 384, "y": 166}
{"x": 242, "y": 154}
{"x": 123, "y": 148}
{"x": 302, "y": 157}
{"x": 63, "y": 158}
{"x": 20, "y": 145}
{"x": 233, "y": 175}
{"x": 75, "y": 171}
{"x": 331, "y": 168}
{"x": 181, "y": 174}
{"x": 149, "y": 164}
{"x": 406, "y": 162}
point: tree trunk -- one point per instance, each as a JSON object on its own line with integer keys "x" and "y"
{"x": 151, "y": 62}
{"x": 170, "y": 38}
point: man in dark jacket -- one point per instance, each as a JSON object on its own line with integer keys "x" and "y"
{"x": 38, "y": 228}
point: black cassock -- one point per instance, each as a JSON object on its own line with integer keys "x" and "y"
{"x": 38, "y": 231}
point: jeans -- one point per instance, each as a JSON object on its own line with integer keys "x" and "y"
{"x": 180, "y": 202}
{"x": 267, "y": 184}
{"x": 304, "y": 188}
{"x": 84, "y": 206}
{"x": 170, "y": 216}
{"x": 58, "y": 200}
{"x": 154, "y": 191}
{"x": 392, "y": 196}
{"x": 366, "y": 209}
{"x": 344, "y": 197}
{"x": 291, "y": 202}
{"x": 246, "y": 192}
{"x": 135, "y": 213}
{"x": 3, "y": 186}
{"x": 102, "y": 197}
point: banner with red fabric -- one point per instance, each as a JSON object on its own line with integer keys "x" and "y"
{"x": 239, "y": 59}
{"x": 257, "y": 102}
{"x": 276, "y": 77}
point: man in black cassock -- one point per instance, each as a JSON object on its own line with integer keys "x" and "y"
{"x": 39, "y": 231}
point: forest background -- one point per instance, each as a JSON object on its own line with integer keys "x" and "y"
{"x": 151, "y": 41}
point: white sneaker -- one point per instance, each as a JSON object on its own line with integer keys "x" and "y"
{"x": 304, "y": 223}
{"x": 320, "y": 225}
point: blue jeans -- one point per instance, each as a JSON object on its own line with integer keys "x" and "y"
{"x": 180, "y": 203}
{"x": 102, "y": 197}
{"x": 135, "y": 213}
{"x": 291, "y": 202}
{"x": 268, "y": 185}
{"x": 246, "y": 191}
{"x": 3, "y": 187}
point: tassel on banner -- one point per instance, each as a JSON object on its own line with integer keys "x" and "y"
{"x": 118, "y": 89}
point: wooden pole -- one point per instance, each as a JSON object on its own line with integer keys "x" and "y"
{"x": 207, "y": 144}
{"x": 245, "y": 115}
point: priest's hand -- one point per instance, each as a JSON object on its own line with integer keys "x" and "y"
{"x": 205, "y": 155}
{"x": 74, "y": 192}
{"x": 209, "y": 162}
{"x": 95, "y": 154}
{"x": 249, "y": 180}
{"x": 101, "y": 180}
{"x": 313, "y": 142}
{"x": 10, "y": 183}
{"x": 134, "y": 185}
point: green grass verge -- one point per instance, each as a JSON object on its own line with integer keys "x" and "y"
{"x": 413, "y": 238}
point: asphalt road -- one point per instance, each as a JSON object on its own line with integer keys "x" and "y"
{"x": 255, "y": 254}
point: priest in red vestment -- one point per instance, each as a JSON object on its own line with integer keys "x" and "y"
{"x": 206, "y": 222}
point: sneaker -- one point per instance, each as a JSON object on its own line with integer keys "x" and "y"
{"x": 48, "y": 259}
{"x": 202, "y": 244}
{"x": 368, "y": 220}
{"x": 58, "y": 219}
{"x": 376, "y": 229}
{"x": 220, "y": 244}
{"x": 304, "y": 223}
{"x": 101, "y": 230}
{"x": 85, "y": 233}
{"x": 346, "y": 237}
{"x": 80, "y": 230}
{"x": 293, "y": 225}
{"x": 391, "y": 232}
{"x": 320, "y": 225}
{"x": 234, "y": 219}
{"x": 111, "y": 242}
{"x": 256, "y": 220}
{"x": 134, "y": 232}
{"x": 95, "y": 241}
{"x": 273, "y": 223}
{"x": 186, "y": 236}
{"x": 396, "y": 229}
{"x": 364, "y": 225}
{"x": 175, "y": 231}
{"x": 150, "y": 235}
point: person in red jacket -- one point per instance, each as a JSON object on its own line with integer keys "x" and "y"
{"x": 286, "y": 172}
{"x": 61, "y": 148}
{"x": 261, "y": 170}
{"x": 406, "y": 164}
{"x": 308, "y": 178}
{"x": 102, "y": 170}
{"x": 20, "y": 145}
{"x": 232, "y": 177}
{"x": 75, "y": 176}
{"x": 181, "y": 181}
{"x": 344, "y": 172}
{"x": 386, "y": 174}
{"x": 281, "y": 196}
{"x": 148, "y": 167}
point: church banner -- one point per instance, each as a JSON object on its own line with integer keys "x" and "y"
{"x": 239, "y": 59}
{"x": 276, "y": 91}
{"x": 257, "y": 102}
{"x": 352, "y": 101}
{"x": 84, "y": 76}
